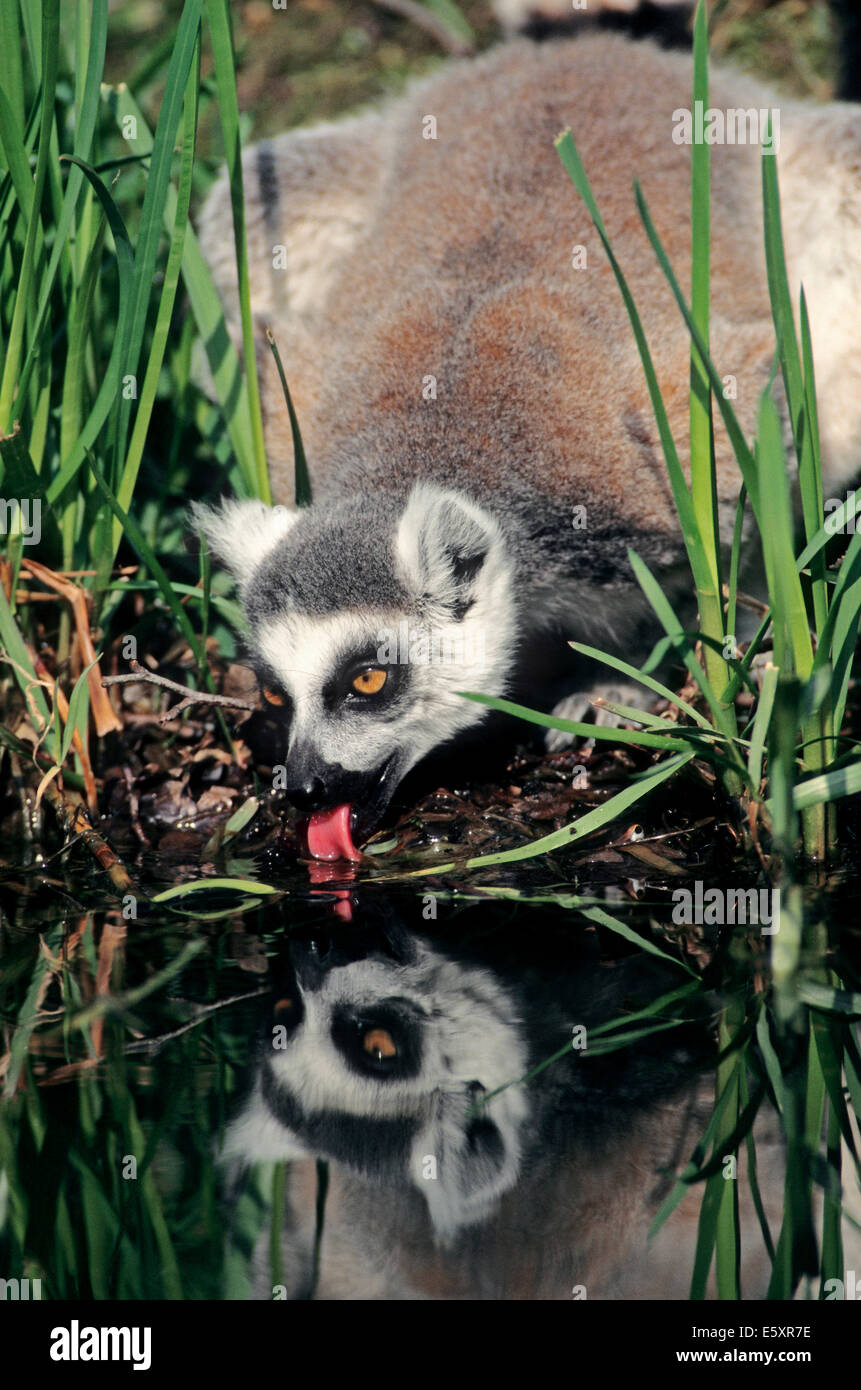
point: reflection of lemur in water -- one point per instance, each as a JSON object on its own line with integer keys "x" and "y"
{"x": 383, "y": 1057}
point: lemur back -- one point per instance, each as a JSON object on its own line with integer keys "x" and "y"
{"x": 417, "y": 266}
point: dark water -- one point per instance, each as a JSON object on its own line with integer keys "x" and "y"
{"x": 439, "y": 1087}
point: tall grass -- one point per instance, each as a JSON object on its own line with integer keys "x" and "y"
{"x": 95, "y": 249}
{"x": 85, "y": 1205}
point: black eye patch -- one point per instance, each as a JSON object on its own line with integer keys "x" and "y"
{"x": 340, "y": 691}
{"x": 383, "y": 1041}
{"x": 277, "y": 701}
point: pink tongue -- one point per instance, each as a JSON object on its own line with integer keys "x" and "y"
{"x": 328, "y": 834}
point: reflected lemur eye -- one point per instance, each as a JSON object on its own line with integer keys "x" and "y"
{"x": 371, "y": 681}
{"x": 272, "y": 696}
{"x": 379, "y": 1044}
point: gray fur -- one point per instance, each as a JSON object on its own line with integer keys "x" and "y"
{"x": 448, "y": 261}
{"x": 335, "y": 558}
{"x": 470, "y": 1043}
{"x": 549, "y": 1184}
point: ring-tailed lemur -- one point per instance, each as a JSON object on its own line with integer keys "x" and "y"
{"x": 482, "y": 446}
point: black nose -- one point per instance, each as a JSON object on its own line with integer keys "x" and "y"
{"x": 309, "y": 794}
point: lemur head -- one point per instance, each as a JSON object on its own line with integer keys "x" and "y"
{"x": 399, "y": 1063}
{"x": 366, "y": 617}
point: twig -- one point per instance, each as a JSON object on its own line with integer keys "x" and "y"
{"x": 431, "y": 23}
{"x": 201, "y": 1011}
{"x": 189, "y": 697}
{"x": 75, "y": 821}
{"x": 746, "y": 601}
{"x": 119, "y": 571}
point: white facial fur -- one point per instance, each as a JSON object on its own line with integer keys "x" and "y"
{"x": 470, "y": 1033}
{"x": 304, "y": 651}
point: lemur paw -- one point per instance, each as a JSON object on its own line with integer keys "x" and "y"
{"x": 580, "y": 703}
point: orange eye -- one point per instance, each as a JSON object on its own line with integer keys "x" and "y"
{"x": 370, "y": 682}
{"x": 379, "y": 1043}
{"x": 272, "y": 696}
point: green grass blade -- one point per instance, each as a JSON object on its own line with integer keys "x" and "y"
{"x": 129, "y": 473}
{"x": 302, "y": 485}
{"x": 15, "y": 343}
{"x": 735, "y": 561}
{"x": 222, "y": 357}
{"x": 218, "y": 13}
{"x": 827, "y": 786}
{"x": 139, "y": 543}
{"x": 20, "y": 479}
{"x": 10, "y": 47}
{"x": 602, "y": 918}
{"x": 792, "y": 642}
{"x": 567, "y": 152}
{"x": 743, "y": 454}
{"x": 799, "y": 387}
{"x": 594, "y": 820}
{"x": 454, "y": 19}
{"x": 839, "y": 518}
{"x": 78, "y": 701}
{"x": 84, "y": 128}
{"x": 812, "y": 500}
{"x": 703, "y": 476}
{"x": 152, "y": 211}
{"x": 692, "y": 1167}
{"x": 236, "y": 885}
{"x": 109, "y": 390}
{"x": 643, "y": 738}
{"x": 13, "y": 646}
{"x": 674, "y": 630}
{"x": 762, "y": 719}
{"x": 839, "y": 635}
{"x": 642, "y": 679}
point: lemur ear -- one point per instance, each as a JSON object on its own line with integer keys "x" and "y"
{"x": 443, "y": 541}
{"x": 241, "y": 534}
{"x": 476, "y": 1161}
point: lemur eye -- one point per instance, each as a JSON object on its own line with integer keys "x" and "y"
{"x": 371, "y": 681}
{"x": 379, "y": 1044}
{"x": 272, "y": 696}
